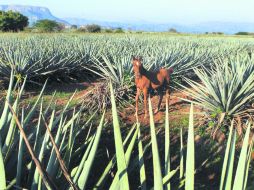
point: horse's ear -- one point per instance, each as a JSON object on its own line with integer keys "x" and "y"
{"x": 133, "y": 58}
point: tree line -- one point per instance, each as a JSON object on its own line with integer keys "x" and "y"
{"x": 11, "y": 21}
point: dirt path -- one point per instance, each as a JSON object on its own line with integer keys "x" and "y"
{"x": 178, "y": 108}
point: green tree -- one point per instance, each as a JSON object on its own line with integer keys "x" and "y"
{"x": 12, "y": 21}
{"x": 47, "y": 26}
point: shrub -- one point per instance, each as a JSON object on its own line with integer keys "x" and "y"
{"x": 74, "y": 26}
{"x": 172, "y": 30}
{"x": 81, "y": 29}
{"x": 108, "y": 30}
{"x": 218, "y": 33}
{"x": 119, "y": 30}
{"x": 28, "y": 29}
{"x": 242, "y": 33}
{"x": 93, "y": 28}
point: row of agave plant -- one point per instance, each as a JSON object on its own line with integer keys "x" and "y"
{"x": 37, "y": 149}
{"x": 59, "y": 56}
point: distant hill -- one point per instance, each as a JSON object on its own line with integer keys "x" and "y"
{"x": 132, "y": 25}
{"x": 34, "y": 13}
{"x": 37, "y": 13}
{"x": 225, "y": 27}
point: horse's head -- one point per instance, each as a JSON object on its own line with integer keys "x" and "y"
{"x": 137, "y": 66}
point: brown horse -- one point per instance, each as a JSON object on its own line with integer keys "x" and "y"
{"x": 146, "y": 80}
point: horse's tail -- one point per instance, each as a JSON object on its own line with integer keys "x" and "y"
{"x": 169, "y": 72}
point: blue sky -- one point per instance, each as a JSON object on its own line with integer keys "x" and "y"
{"x": 160, "y": 11}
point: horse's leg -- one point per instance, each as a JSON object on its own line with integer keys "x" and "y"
{"x": 137, "y": 96}
{"x": 160, "y": 91}
{"x": 145, "y": 92}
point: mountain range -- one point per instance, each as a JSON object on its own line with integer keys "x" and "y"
{"x": 35, "y": 13}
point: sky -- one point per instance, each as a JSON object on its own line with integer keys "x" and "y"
{"x": 157, "y": 11}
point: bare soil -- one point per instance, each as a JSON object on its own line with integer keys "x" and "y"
{"x": 178, "y": 108}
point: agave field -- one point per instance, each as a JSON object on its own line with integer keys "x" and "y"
{"x": 87, "y": 145}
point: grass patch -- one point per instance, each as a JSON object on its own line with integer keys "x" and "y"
{"x": 59, "y": 100}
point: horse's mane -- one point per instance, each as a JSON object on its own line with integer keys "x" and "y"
{"x": 143, "y": 70}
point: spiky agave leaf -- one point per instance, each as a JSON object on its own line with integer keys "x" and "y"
{"x": 239, "y": 181}
{"x": 110, "y": 165}
{"x": 88, "y": 164}
{"x": 228, "y": 163}
{"x": 142, "y": 171}
{"x": 167, "y": 145}
{"x": 2, "y": 170}
{"x": 190, "y": 157}
{"x": 158, "y": 184}
{"x": 121, "y": 160}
